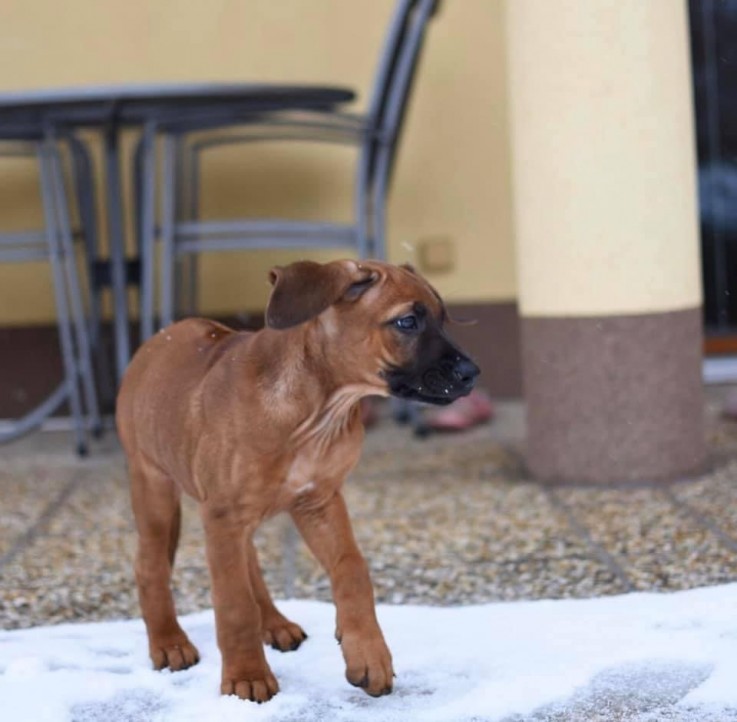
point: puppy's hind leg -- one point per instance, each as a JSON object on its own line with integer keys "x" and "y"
{"x": 245, "y": 671}
{"x": 276, "y": 630}
{"x": 156, "y": 507}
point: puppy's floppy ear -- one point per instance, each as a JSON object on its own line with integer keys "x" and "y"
{"x": 305, "y": 289}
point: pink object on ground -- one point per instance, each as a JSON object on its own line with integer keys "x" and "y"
{"x": 471, "y": 410}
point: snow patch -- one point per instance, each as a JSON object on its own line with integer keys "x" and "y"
{"x": 634, "y": 657}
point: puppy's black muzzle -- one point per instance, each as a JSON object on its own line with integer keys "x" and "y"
{"x": 438, "y": 381}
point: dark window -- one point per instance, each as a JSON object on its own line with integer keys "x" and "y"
{"x": 714, "y": 59}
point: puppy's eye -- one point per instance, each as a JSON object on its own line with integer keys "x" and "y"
{"x": 407, "y": 324}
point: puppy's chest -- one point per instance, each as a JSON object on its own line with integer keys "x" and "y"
{"x": 302, "y": 476}
{"x": 315, "y": 474}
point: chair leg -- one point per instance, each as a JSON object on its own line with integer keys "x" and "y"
{"x": 36, "y": 416}
{"x": 410, "y": 413}
{"x": 168, "y": 220}
{"x": 191, "y": 207}
{"x": 74, "y": 289}
{"x": 85, "y": 191}
{"x": 146, "y": 217}
{"x": 66, "y": 341}
{"x": 117, "y": 251}
{"x": 187, "y": 201}
{"x": 138, "y": 161}
{"x": 193, "y": 281}
{"x": 185, "y": 283}
{"x": 378, "y": 198}
{"x": 182, "y": 290}
{"x": 361, "y": 202}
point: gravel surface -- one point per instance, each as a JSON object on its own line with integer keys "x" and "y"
{"x": 448, "y": 520}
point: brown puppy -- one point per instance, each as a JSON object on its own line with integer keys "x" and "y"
{"x": 252, "y": 424}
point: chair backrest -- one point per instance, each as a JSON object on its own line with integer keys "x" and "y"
{"x": 397, "y": 65}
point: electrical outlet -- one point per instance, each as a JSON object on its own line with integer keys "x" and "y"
{"x": 436, "y": 254}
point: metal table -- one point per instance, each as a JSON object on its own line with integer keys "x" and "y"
{"x": 110, "y": 109}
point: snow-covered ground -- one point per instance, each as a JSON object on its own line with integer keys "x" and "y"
{"x": 639, "y": 656}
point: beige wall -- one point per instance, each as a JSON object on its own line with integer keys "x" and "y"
{"x": 604, "y": 160}
{"x": 453, "y": 171}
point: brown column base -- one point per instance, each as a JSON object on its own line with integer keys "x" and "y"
{"x": 616, "y": 398}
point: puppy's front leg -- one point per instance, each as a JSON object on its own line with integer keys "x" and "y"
{"x": 245, "y": 671}
{"x": 327, "y": 531}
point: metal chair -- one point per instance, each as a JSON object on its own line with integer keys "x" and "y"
{"x": 55, "y": 245}
{"x": 376, "y": 133}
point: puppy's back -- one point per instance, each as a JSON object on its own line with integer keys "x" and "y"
{"x": 158, "y": 395}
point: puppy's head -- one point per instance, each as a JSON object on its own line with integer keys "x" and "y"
{"x": 385, "y": 322}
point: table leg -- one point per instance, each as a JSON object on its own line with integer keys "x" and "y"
{"x": 66, "y": 242}
{"x": 69, "y": 357}
{"x": 116, "y": 238}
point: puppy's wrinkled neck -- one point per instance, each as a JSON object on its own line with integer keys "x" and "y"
{"x": 312, "y": 370}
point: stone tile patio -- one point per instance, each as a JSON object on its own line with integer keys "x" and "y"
{"x": 452, "y": 519}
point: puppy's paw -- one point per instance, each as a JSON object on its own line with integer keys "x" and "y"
{"x": 258, "y": 686}
{"x": 368, "y": 663}
{"x": 175, "y": 654}
{"x": 282, "y": 634}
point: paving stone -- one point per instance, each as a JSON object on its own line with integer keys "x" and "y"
{"x": 447, "y": 520}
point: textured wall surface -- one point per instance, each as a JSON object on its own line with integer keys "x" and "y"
{"x": 452, "y": 174}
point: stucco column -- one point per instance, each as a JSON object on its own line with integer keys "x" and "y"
{"x": 606, "y": 223}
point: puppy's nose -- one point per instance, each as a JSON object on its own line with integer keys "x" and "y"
{"x": 465, "y": 371}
